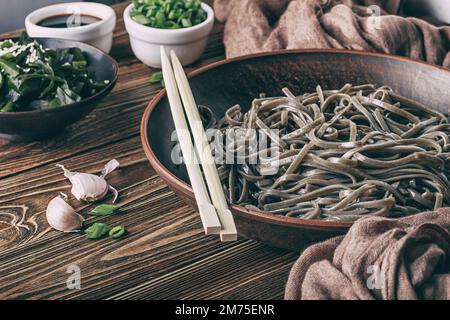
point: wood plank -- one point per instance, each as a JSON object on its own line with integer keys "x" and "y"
{"x": 37, "y": 248}
{"x": 166, "y": 244}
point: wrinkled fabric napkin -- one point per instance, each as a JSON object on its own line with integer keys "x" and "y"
{"x": 379, "y": 258}
{"x": 253, "y": 26}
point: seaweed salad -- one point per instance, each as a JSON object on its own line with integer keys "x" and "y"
{"x": 33, "y": 77}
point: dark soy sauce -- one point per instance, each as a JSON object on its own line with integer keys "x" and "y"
{"x": 68, "y": 21}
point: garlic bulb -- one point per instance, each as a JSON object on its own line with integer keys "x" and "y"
{"x": 61, "y": 216}
{"x": 90, "y": 187}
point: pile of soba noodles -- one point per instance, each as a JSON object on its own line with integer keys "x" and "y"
{"x": 339, "y": 154}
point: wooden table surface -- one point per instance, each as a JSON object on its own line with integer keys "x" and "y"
{"x": 165, "y": 256}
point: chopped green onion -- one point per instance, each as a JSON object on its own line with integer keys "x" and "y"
{"x": 186, "y": 23}
{"x": 156, "y": 77}
{"x": 168, "y": 14}
{"x": 96, "y": 231}
{"x": 141, "y": 19}
{"x": 104, "y": 210}
{"x": 117, "y": 232}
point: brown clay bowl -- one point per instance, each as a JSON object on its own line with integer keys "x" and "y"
{"x": 42, "y": 124}
{"x": 225, "y": 83}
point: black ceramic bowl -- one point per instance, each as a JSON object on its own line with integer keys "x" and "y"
{"x": 225, "y": 83}
{"x": 40, "y": 124}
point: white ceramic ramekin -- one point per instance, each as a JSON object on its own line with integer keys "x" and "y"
{"x": 98, "y": 34}
{"x": 188, "y": 43}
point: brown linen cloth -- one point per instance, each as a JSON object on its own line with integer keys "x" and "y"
{"x": 266, "y": 25}
{"x": 407, "y": 258}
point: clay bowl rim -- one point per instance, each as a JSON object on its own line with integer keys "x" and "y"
{"x": 87, "y": 100}
{"x": 174, "y": 182}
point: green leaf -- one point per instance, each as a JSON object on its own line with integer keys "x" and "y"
{"x": 64, "y": 96}
{"x": 141, "y": 19}
{"x": 160, "y": 19}
{"x": 186, "y": 23}
{"x": 96, "y": 231}
{"x": 78, "y": 55}
{"x": 6, "y": 44}
{"x": 117, "y": 232}
{"x": 9, "y": 68}
{"x": 166, "y": 7}
{"x": 79, "y": 65}
{"x": 78, "y": 86}
{"x": 7, "y": 107}
{"x": 172, "y": 25}
{"x": 7, "y": 56}
{"x": 104, "y": 210}
{"x": 30, "y": 86}
{"x": 47, "y": 90}
{"x": 151, "y": 12}
{"x": 45, "y": 67}
{"x": 173, "y": 15}
{"x": 156, "y": 77}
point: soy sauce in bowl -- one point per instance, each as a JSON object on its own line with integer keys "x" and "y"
{"x": 68, "y": 21}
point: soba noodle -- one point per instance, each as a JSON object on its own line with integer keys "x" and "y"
{"x": 341, "y": 154}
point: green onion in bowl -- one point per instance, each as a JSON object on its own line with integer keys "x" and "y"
{"x": 168, "y": 14}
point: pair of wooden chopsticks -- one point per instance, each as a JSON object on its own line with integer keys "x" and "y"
{"x": 215, "y": 216}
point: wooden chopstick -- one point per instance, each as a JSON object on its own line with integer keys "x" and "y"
{"x": 208, "y": 214}
{"x": 228, "y": 232}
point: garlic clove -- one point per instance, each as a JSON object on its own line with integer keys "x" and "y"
{"x": 89, "y": 187}
{"x": 62, "y": 217}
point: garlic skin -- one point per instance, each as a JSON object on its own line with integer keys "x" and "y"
{"x": 90, "y": 187}
{"x": 62, "y": 217}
